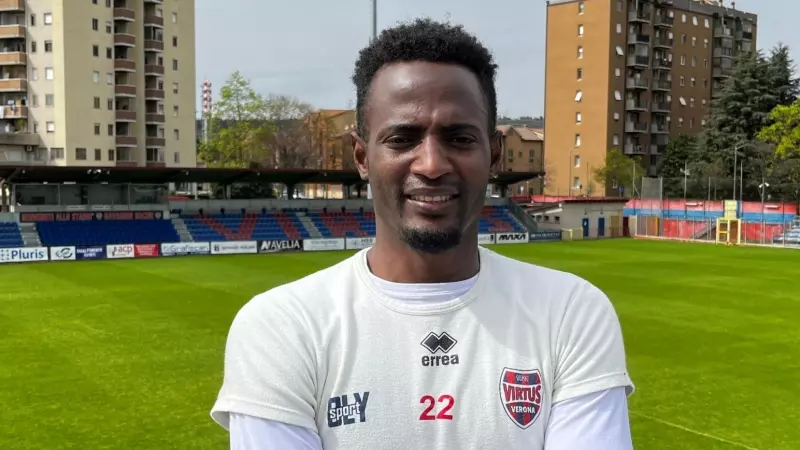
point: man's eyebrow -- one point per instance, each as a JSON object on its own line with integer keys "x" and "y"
{"x": 400, "y": 128}
{"x": 460, "y": 127}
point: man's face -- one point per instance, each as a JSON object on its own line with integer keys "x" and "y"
{"x": 429, "y": 152}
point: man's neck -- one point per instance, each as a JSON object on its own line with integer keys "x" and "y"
{"x": 393, "y": 260}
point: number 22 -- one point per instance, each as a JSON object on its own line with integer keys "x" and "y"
{"x": 443, "y": 414}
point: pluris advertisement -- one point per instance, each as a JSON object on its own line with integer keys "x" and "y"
{"x": 234, "y": 247}
{"x": 485, "y": 239}
{"x": 185, "y": 248}
{"x": 359, "y": 243}
{"x": 119, "y": 251}
{"x": 321, "y": 245}
{"x": 62, "y": 253}
{"x": 294, "y": 245}
{"x": 23, "y": 254}
{"x": 145, "y": 250}
{"x": 512, "y": 238}
{"x": 87, "y": 216}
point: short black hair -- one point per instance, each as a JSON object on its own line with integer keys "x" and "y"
{"x": 430, "y": 41}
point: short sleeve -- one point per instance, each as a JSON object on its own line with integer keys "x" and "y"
{"x": 590, "y": 354}
{"x": 270, "y": 366}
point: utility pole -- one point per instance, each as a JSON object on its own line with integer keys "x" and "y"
{"x": 374, "y": 19}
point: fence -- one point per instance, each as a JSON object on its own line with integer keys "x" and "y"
{"x": 783, "y": 234}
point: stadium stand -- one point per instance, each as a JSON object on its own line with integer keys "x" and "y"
{"x": 105, "y": 233}
{"x": 789, "y": 236}
{"x": 10, "y": 235}
{"x": 498, "y": 219}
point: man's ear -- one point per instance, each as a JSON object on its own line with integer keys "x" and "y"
{"x": 496, "y": 148}
{"x": 360, "y": 155}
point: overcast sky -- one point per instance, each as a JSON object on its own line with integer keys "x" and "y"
{"x": 306, "y": 48}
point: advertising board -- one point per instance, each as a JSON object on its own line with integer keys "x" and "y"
{"x": 234, "y": 247}
{"x": 145, "y": 250}
{"x": 119, "y": 251}
{"x": 23, "y": 254}
{"x": 485, "y": 239}
{"x": 90, "y": 252}
{"x": 359, "y": 243}
{"x": 62, "y": 253}
{"x": 185, "y": 248}
{"x": 540, "y": 236}
{"x": 511, "y": 238}
{"x": 276, "y": 246}
{"x": 84, "y": 216}
{"x": 321, "y": 245}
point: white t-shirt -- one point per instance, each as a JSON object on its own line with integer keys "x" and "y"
{"x": 332, "y": 353}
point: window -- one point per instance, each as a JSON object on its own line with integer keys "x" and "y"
{"x": 617, "y": 95}
{"x": 80, "y": 154}
{"x": 619, "y": 5}
{"x": 617, "y": 72}
{"x": 33, "y": 46}
{"x": 97, "y": 103}
{"x": 108, "y": 3}
{"x": 691, "y": 123}
{"x": 705, "y": 63}
{"x": 580, "y": 52}
{"x": 576, "y": 183}
{"x": 33, "y": 20}
{"x": 694, "y": 20}
{"x": 578, "y": 96}
{"x": 175, "y": 110}
{"x": 683, "y": 39}
{"x": 174, "y": 41}
{"x": 577, "y": 161}
{"x": 94, "y": 1}
{"x": 109, "y": 78}
{"x": 35, "y": 127}
{"x": 683, "y": 81}
{"x": 578, "y": 118}
{"x": 48, "y": 18}
{"x": 683, "y": 18}
{"x": 619, "y": 28}
{"x": 694, "y": 41}
{"x": 580, "y": 30}
{"x": 174, "y": 64}
{"x": 174, "y": 88}
{"x": 174, "y": 17}
{"x": 97, "y": 129}
{"x": 616, "y": 117}
{"x": 683, "y": 60}
{"x": 694, "y": 61}
{"x": 49, "y": 74}
{"x": 705, "y": 82}
{"x": 96, "y": 77}
{"x": 707, "y": 23}
{"x": 703, "y": 122}
{"x": 35, "y": 101}
{"x": 580, "y": 7}
{"x": 615, "y": 140}
{"x": 50, "y": 127}
{"x": 111, "y": 129}
{"x": 620, "y": 52}
{"x": 111, "y": 154}
{"x": 110, "y": 104}
{"x": 177, "y": 134}
{"x": 703, "y": 102}
{"x": 95, "y": 24}
{"x": 580, "y": 74}
{"x": 177, "y": 158}
{"x": 691, "y": 102}
{"x": 680, "y": 122}
{"x": 692, "y": 81}
{"x": 705, "y": 43}
{"x": 98, "y": 154}
{"x": 682, "y": 101}
{"x": 48, "y": 46}
{"x": 109, "y": 28}
{"x": 34, "y": 73}
{"x": 109, "y": 53}
{"x": 95, "y": 51}
{"x": 577, "y": 140}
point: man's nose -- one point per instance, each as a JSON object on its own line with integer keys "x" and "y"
{"x": 432, "y": 159}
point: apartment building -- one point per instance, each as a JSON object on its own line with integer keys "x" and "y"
{"x": 97, "y": 83}
{"x": 631, "y": 74}
{"x": 523, "y": 151}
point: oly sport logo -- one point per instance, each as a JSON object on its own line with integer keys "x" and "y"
{"x": 521, "y": 395}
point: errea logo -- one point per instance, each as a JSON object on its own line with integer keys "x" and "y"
{"x": 439, "y": 345}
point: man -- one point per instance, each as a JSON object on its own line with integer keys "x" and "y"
{"x": 427, "y": 341}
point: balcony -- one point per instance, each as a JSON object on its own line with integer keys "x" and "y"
{"x": 14, "y": 85}
{"x": 153, "y": 46}
{"x": 719, "y": 72}
{"x": 154, "y": 94}
{"x": 635, "y": 105}
{"x": 658, "y": 128}
{"x": 13, "y": 59}
{"x": 156, "y": 164}
{"x": 639, "y": 16}
{"x": 663, "y": 42}
{"x": 661, "y": 107}
{"x": 19, "y": 157}
{"x": 662, "y": 85}
{"x": 661, "y": 140}
{"x": 122, "y": 90}
{"x": 633, "y": 149}
{"x": 155, "y": 21}
{"x": 744, "y": 35}
{"x": 127, "y": 163}
{"x": 638, "y": 38}
{"x": 152, "y": 69}
{"x": 635, "y": 127}
{"x": 636, "y": 83}
{"x": 124, "y": 14}
{"x": 12, "y": 5}
{"x": 126, "y": 141}
{"x": 154, "y": 118}
{"x": 124, "y": 65}
{"x": 662, "y": 63}
{"x": 15, "y": 112}
{"x": 12, "y": 31}
{"x": 125, "y": 116}
{"x": 637, "y": 61}
{"x": 721, "y": 52}
{"x": 155, "y": 142}
{"x": 657, "y": 149}
{"x": 19, "y": 139}
{"x": 723, "y": 32}
{"x": 127, "y": 40}
{"x": 157, "y": 2}
{"x": 664, "y": 21}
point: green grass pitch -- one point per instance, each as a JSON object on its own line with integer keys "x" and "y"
{"x": 128, "y": 354}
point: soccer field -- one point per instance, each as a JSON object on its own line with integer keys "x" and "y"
{"x": 128, "y": 354}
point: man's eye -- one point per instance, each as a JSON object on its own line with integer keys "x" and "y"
{"x": 463, "y": 140}
{"x": 398, "y": 140}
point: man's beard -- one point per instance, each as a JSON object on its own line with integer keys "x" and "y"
{"x": 431, "y": 241}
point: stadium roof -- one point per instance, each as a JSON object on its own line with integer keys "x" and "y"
{"x": 160, "y": 175}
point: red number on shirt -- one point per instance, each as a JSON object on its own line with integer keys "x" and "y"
{"x": 430, "y": 402}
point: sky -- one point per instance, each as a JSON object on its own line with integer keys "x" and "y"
{"x": 306, "y": 48}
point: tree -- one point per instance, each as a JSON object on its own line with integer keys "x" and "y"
{"x": 782, "y": 80}
{"x": 784, "y": 132}
{"x": 681, "y": 152}
{"x": 238, "y": 126}
{"x": 294, "y": 141}
{"x": 619, "y": 171}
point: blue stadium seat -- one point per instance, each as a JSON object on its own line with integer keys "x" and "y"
{"x": 107, "y": 232}
{"x": 10, "y": 235}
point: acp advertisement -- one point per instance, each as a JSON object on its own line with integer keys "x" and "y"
{"x": 23, "y": 254}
